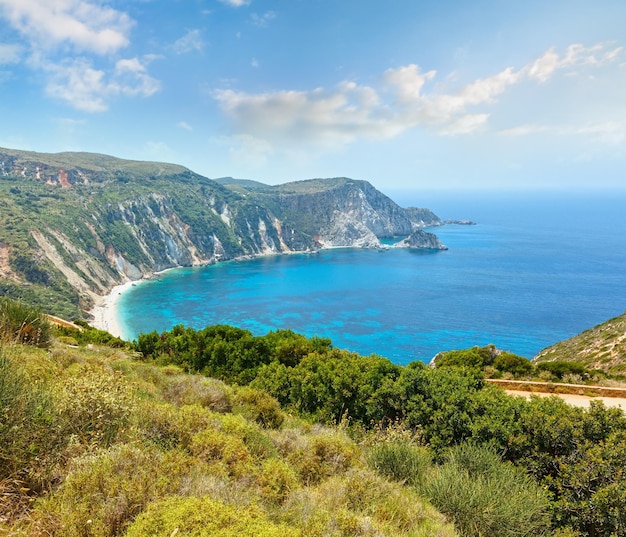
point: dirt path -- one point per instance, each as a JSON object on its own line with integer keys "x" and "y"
{"x": 576, "y": 400}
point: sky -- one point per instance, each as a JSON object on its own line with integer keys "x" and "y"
{"x": 407, "y": 94}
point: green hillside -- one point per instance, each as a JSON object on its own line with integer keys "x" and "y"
{"x": 73, "y": 225}
{"x": 601, "y": 347}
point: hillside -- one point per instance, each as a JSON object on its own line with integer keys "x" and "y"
{"x": 283, "y": 435}
{"x": 601, "y": 347}
{"x": 73, "y": 225}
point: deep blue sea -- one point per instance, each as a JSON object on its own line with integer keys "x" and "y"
{"x": 537, "y": 268}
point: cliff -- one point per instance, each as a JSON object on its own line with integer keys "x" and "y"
{"x": 76, "y": 224}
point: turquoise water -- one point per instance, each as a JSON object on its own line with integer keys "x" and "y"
{"x": 538, "y": 268}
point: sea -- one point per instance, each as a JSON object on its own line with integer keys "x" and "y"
{"x": 538, "y": 267}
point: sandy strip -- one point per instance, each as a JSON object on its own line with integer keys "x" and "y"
{"x": 576, "y": 400}
{"x": 105, "y": 310}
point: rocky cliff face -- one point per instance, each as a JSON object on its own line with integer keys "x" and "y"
{"x": 93, "y": 221}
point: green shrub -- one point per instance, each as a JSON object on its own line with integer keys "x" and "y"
{"x": 226, "y": 453}
{"x": 89, "y": 334}
{"x": 205, "y": 517}
{"x": 361, "y": 503}
{"x": 484, "y": 496}
{"x": 322, "y": 455}
{"x": 26, "y": 416}
{"x": 558, "y": 368}
{"x": 23, "y": 324}
{"x": 257, "y": 441}
{"x": 94, "y": 406}
{"x": 400, "y": 460}
{"x": 518, "y": 366}
{"x": 277, "y": 480}
{"x": 259, "y": 406}
{"x": 196, "y": 390}
{"x": 105, "y": 491}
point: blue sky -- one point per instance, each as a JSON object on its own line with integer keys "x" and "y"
{"x": 407, "y": 94}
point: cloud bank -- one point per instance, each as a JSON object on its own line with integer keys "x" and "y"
{"x": 406, "y": 98}
{"x": 65, "y": 39}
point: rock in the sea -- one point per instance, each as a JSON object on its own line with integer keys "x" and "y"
{"x": 421, "y": 239}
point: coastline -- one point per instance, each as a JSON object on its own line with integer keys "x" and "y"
{"x": 105, "y": 310}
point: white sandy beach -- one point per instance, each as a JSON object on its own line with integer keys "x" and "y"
{"x": 105, "y": 310}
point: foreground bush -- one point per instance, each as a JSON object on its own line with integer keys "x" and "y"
{"x": 206, "y": 517}
{"x": 400, "y": 459}
{"x": 104, "y": 492}
{"x": 20, "y": 323}
{"x": 26, "y": 416}
{"x": 484, "y": 496}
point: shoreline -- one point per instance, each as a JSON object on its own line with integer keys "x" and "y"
{"x": 104, "y": 310}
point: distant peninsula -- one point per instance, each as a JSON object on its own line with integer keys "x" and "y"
{"x": 74, "y": 225}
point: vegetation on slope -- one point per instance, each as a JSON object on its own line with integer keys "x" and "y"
{"x": 94, "y": 442}
{"x": 601, "y": 347}
{"x": 576, "y": 456}
{"x": 496, "y": 364}
{"x": 293, "y": 437}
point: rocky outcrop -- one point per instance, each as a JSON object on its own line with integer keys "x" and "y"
{"x": 421, "y": 239}
{"x": 345, "y": 231}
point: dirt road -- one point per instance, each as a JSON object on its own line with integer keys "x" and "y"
{"x": 576, "y": 400}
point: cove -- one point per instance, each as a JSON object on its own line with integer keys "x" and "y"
{"x": 532, "y": 272}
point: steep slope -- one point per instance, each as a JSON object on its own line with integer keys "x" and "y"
{"x": 601, "y": 347}
{"x": 72, "y": 225}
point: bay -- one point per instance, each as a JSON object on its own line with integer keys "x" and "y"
{"x": 537, "y": 268}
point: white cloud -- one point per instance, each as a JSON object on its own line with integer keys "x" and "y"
{"x": 191, "y": 42}
{"x": 236, "y": 3}
{"x": 10, "y": 53}
{"x": 341, "y": 115}
{"x": 577, "y": 55}
{"x": 88, "y": 89}
{"x": 608, "y": 133}
{"x": 611, "y": 133}
{"x": 407, "y": 82}
{"x": 327, "y": 118}
{"x": 65, "y": 39}
{"x": 87, "y": 26}
{"x": 184, "y": 125}
{"x": 262, "y": 20}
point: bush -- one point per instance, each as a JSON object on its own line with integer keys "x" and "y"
{"x": 25, "y": 417}
{"x": 400, "y": 460}
{"x": 558, "y": 369}
{"x": 259, "y": 406}
{"x": 206, "y": 517}
{"x": 105, "y": 491}
{"x": 322, "y": 456}
{"x": 226, "y": 453}
{"x": 23, "y": 324}
{"x": 518, "y": 366}
{"x": 361, "y": 503}
{"x": 94, "y": 407}
{"x": 277, "y": 480}
{"x": 89, "y": 334}
{"x": 196, "y": 390}
{"x": 484, "y": 496}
